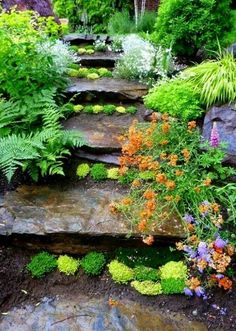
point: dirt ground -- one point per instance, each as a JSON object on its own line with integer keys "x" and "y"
{"x": 218, "y": 312}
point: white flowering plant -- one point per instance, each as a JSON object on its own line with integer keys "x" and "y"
{"x": 143, "y": 61}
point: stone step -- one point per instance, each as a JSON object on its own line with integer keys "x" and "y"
{"x": 106, "y": 88}
{"x": 99, "y": 59}
{"x": 72, "y": 218}
{"x": 81, "y": 39}
{"x": 101, "y": 131}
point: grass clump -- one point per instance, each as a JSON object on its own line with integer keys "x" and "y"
{"x": 93, "y": 263}
{"x": 41, "y": 264}
{"x": 120, "y": 273}
{"x": 67, "y": 265}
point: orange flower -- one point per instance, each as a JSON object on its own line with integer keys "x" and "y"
{"x": 190, "y": 227}
{"x": 193, "y": 283}
{"x": 151, "y": 205}
{"x": 136, "y": 183}
{"x": 173, "y": 159}
{"x": 165, "y": 127}
{"x": 202, "y": 264}
{"x": 226, "y": 283}
{"x": 169, "y": 198}
{"x": 203, "y": 208}
{"x": 193, "y": 239}
{"x": 161, "y": 178}
{"x": 163, "y": 156}
{"x": 165, "y": 117}
{"x": 123, "y": 170}
{"x": 142, "y": 225}
{"x": 179, "y": 246}
{"x": 197, "y": 189}
{"x": 192, "y": 125}
{"x": 112, "y": 302}
{"x": 215, "y": 207}
{"x": 113, "y": 208}
{"x": 207, "y": 182}
{"x": 179, "y": 172}
{"x": 186, "y": 154}
{"x": 154, "y": 117}
{"x": 164, "y": 142}
{"x": 126, "y": 201}
{"x": 170, "y": 184}
{"x": 149, "y": 194}
{"x": 230, "y": 250}
{"x": 148, "y": 143}
{"x": 149, "y": 240}
{"x": 146, "y": 213}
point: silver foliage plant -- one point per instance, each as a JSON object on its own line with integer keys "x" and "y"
{"x": 143, "y": 61}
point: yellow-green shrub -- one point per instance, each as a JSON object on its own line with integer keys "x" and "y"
{"x": 147, "y": 287}
{"x": 120, "y": 273}
{"x": 67, "y": 265}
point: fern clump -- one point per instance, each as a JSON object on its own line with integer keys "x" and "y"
{"x": 93, "y": 263}
{"x": 83, "y": 170}
{"x": 120, "y": 273}
{"x": 67, "y": 265}
{"x": 98, "y": 172}
{"x": 41, "y": 264}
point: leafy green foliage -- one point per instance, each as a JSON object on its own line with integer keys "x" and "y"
{"x": 188, "y": 26}
{"x": 67, "y": 265}
{"x": 216, "y": 80}
{"x": 93, "y": 263}
{"x": 142, "y": 273}
{"x": 147, "y": 287}
{"x": 120, "y": 273}
{"x": 176, "y": 97}
{"x": 98, "y": 172}
{"x": 173, "y": 285}
{"x": 147, "y": 256}
{"x": 41, "y": 264}
{"x": 83, "y": 170}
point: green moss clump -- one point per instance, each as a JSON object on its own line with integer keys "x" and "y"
{"x": 88, "y": 109}
{"x": 41, "y": 264}
{"x": 103, "y": 72}
{"x": 113, "y": 173}
{"x": 131, "y": 110}
{"x": 78, "y": 108}
{"x": 98, "y": 172}
{"x": 75, "y": 66}
{"x": 83, "y": 72}
{"x": 142, "y": 273}
{"x": 109, "y": 109}
{"x": 173, "y": 285}
{"x": 147, "y": 287}
{"x": 73, "y": 73}
{"x": 173, "y": 269}
{"x": 93, "y": 263}
{"x": 92, "y": 76}
{"x": 147, "y": 175}
{"x": 83, "y": 170}
{"x": 120, "y": 273}
{"x": 67, "y": 265}
{"x": 97, "y": 109}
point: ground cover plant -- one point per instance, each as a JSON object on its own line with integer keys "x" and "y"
{"x": 180, "y": 21}
{"x": 34, "y": 69}
{"x": 93, "y": 263}
{"x": 97, "y": 171}
{"x": 107, "y": 109}
{"x": 41, "y": 264}
{"x": 90, "y": 73}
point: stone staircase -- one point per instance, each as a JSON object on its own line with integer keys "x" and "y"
{"x": 73, "y": 216}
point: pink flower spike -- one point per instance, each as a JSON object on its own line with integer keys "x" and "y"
{"x": 215, "y": 138}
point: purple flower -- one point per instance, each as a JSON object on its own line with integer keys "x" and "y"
{"x": 188, "y": 292}
{"x": 199, "y": 291}
{"x": 190, "y": 252}
{"x": 215, "y": 138}
{"x": 189, "y": 219}
{"x": 223, "y": 311}
{"x": 219, "y": 243}
{"x": 219, "y": 276}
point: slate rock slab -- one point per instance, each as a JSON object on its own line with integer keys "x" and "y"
{"x": 70, "y": 313}
{"x": 99, "y": 59}
{"x": 225, "y": 117}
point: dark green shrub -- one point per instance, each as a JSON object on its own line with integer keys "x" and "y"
{"x": 173, "y": 285}
{"x": 109, "y": 109}
{"x": 142, "y": 273}
{"x": 88, "y": 109}
{"x": 93, "y": 263}
{"x": 41, "y": 264}
{"x": 176, "y": 97}
{"x": 188, "y": 26}
{"x": 148, "y": 256}
{"x": 98, "y": 172}
{"x": 131, "y": 110}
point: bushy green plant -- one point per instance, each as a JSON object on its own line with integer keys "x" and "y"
{"x": 176, "y": 97}
{"x": 113, "y": 173}
{"x": 216, "y": 79}
{"x": 67, "y": 265}
{"x": 188, "y": 26}
{"x": 147, "y": 175}
{"x": 120, "y": 273}
{"x": 121, "y": 23}
{"x": 93, "y": 263}
{"x": 109, "y": 109}
{"x": 128, "y": 177}
{"x": 173, "y": 269}
{"x": 146, "y": 22}
{"x": 41, "y": 264}
{"x": 93, "y": 76}
{"x": 173, "y": 285}
{"x": 147, "y": 287}
{"x": 83, "y": 170}
{"x": 142, "y": 273}
{"x": 98, "y": 172}
{"x": 131, "y": 109}
{"x": 78, "y": 108}
{"x": 88, "y": 109}
{"x": 97, "y": 109}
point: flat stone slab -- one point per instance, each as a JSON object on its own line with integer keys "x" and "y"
{"x": 79, "y": 38}
{"x": 109, "y": 87}
{"x": 70, "y": 217}
{"x": 79, "y": 313}
{"x": 99, "y": 59}
{"x": 101, "y": 131}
